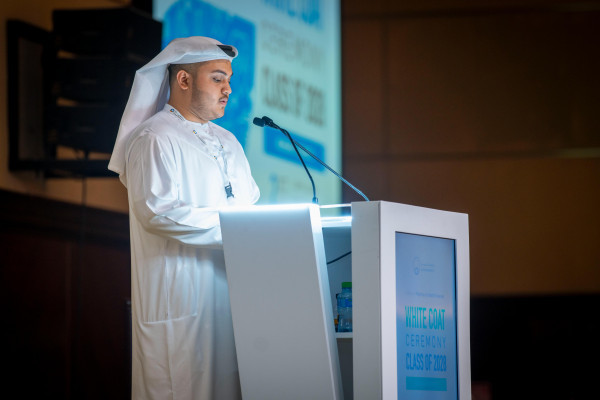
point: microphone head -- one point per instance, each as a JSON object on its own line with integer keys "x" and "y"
{"x": 269, "y": 122}
{"x": 258, "y": 121}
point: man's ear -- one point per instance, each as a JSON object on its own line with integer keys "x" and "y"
{"x": 183, "y": 79}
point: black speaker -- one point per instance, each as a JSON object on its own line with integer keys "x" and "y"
{"x": 90, "y": 70}
{"x": 107, "y": 31}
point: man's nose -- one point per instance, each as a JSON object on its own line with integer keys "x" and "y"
{"x": 227, "y": 89}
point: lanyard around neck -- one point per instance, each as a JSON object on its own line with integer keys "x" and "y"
{"x": 218, "y": 151}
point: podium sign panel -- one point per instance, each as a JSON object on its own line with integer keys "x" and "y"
{"x": 426, "y": 345}
{"x": 410, "y": 268}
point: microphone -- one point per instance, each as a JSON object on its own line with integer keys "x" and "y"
{"x": 269, "y": 122}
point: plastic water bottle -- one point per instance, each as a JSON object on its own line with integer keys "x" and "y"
{"x": 336, "y": 315}
{"x": 345, "y": 308}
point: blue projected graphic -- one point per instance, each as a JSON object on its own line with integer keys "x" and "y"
{"x": 277, "y": 144}
{"x": 197, "y": 18}
{"x": 307, "y": 11}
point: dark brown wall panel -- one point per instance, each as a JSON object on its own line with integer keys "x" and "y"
{"x": 65, "y": 281}
{"x": 489, "y": 110}
{"x": 363, "y": 87}
{"x": 520, "y": 81}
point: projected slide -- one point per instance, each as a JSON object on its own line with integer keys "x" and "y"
{"x": 426, "y": 317}
{"x": 288, "y": 69}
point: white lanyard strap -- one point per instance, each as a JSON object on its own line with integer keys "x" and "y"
{"x": 218, "y": 151}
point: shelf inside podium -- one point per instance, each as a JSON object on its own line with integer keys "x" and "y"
{"x": 343, "y": 335}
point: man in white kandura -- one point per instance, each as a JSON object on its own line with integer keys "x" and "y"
{"x": 179, "y": 168}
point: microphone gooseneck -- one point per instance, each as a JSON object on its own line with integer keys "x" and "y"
{"x": 269, "y": 122}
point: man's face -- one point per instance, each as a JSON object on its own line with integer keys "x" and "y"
{"x": 210, "y": 89}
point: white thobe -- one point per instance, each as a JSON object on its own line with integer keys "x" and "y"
{"x": 182, "y": 333}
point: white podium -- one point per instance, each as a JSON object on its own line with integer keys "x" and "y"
{"x": 410, "y": 272}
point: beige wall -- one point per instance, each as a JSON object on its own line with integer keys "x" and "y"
{"x": 106, "y": 193}
{"x": 487, "y": 111}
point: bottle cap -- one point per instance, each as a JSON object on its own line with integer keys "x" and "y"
{"x": 347, "y": 285}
